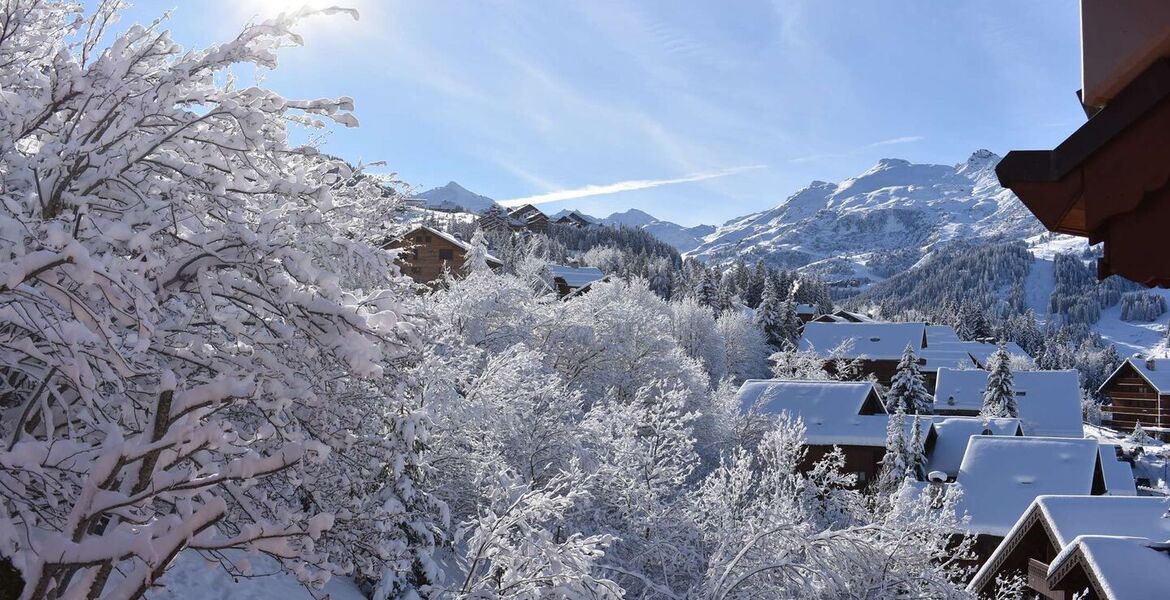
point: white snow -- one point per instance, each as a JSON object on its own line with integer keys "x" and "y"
{"x": 953, "y": 434}
{"x": 875, "y": 341}
{"x": 191, "y": 577}
{"x": 1000, "y": 476}
{"x": 1127, "y": 568}
{"x": 831, "y": 410}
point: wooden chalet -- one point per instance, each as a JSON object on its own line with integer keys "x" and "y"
{"x": 1139, "y": 391}
{"x": 1000, "y": 476}
{"x": 529, "y": 218}
{"x": 574, "y": 280}
{"x": 495, "y": 220}
{"x": 1110, "y": 180}
{"x": 875, "y": 347}
{"x": 844, "y": 414}
{"x": 573, "y": 219}
{"x": 1085, "y": 547}
{"x": 426, "y": 252}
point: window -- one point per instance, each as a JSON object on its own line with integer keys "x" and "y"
{"x": 1022, "y": 393}
{"x": 446, "y": 255}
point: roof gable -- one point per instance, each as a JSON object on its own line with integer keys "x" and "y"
{"x": 1064, "y": 518}
{"x": 1118, "y": 567}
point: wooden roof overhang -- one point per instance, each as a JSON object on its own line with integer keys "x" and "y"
{"x": 1109, "y": 181}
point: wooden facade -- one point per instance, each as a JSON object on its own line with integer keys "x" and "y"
{"x": 864, "y": 462}
{"x": 1133, "y": 399}
{"x": 426, "y": 253}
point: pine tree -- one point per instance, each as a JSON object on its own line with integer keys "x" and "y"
{"x": 908, "y": 388}
{"x": 789, "y": 330}
{"x": 706, "y": 290}
{"x": 999, "y": 400}
{"x": 768, "y": 316}
{"x": 755, "y": 289}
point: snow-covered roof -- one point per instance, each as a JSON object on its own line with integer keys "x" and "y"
{"x": 805, "y": 309}
{"x": 981, "y": 352}
{"x": 1158, "y": 376}
{"x": 940, "y": 333}
{"x": 1068, "y": 517}
{"x": 953, "y": 435}
{"x": 875, "y": 341}
{"x": 1000, "y": 476}
{"x": 1119, "y": 479}
{"x": 1125, "y": 568}
{"x": 576, "y": 277}
{"x": 831, "y": 410}
{"x": 932, "y": 359}
{"x": 1049, "y": 401}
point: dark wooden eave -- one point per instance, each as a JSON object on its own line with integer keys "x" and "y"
{"x": 1109, "y": 180}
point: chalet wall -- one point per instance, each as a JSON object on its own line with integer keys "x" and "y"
{"x": 1133, "y": 399}
{"x": 425, "y": 255}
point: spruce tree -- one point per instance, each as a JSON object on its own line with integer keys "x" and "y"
{"x": 755, "y": 289}
{"x": 908, "y": 387}
{"x": 768, "y": 315}
{"x": 706, "y": 290}
{"x": 789, "y": 330}
{"x": 999, "y": 399}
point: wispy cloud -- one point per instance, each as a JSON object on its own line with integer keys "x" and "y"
{"x": 906, "y": 139}
{"x": 623, "y": 186}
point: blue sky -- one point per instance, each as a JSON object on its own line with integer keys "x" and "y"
{"x": 734, "y": 105}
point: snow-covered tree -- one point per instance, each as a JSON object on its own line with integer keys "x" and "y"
{"x": 896, "y": 461}
{"x": 999, "y": 399}
{"x": 776, "y": 533}
{"x": 694, "y": 328}
{"x": 1139, "y": 435}
{"x": 744, "y": 347}
{"x": 516, "y": 546}
{"x": 908, "y": 387}
{"x": 476, "y": 260}
{"x": 197, "y": 344}
{"x": 769, "y": 315}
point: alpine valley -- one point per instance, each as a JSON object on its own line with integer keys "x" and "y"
{"x": 906, "y": 236}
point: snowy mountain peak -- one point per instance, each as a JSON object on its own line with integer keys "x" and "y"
{"x": 630, "y": 218}
{"x": 455, "y": 197}
{"x": 870, "y": 225}
{"x": 980, "y": 160}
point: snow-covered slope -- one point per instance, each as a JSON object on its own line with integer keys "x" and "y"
{"x": 682, "y": 238}
{"x": 454, "y": 197}
{"x": 847, "y": 230}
